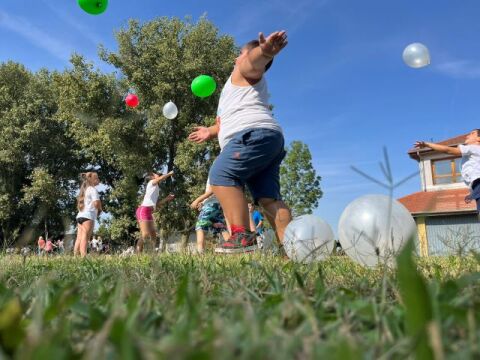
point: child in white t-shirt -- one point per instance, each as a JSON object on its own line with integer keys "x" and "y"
{"x": 144, "y": 213}
{"x": 89, "y": 208}
{"x": 470, "y": 153}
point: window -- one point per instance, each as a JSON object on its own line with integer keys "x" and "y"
{"x": 447, "y": 171}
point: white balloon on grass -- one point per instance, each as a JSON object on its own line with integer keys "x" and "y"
{"x": 308, "y": 238}
{"x": 416, "y": 55}
{"x": 367, "y": 234}
{"x": 170, "y": 110}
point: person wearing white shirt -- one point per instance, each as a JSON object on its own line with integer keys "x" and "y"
{"x": 144, "y": 213}
{"x": 89, "y": 208}
{"x": 470, "y": 153}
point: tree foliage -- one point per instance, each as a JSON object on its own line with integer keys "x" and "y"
{"x": 298, "y": 180}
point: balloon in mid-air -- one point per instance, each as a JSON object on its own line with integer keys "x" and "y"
{"x": 416, "y": 55}
{"x": 203, "y": 86}
{"x": 308, "y": 238}
{"x": 369, "y": 235}
{"x": 170, "y": 110}
{"x": 93, "y": 7}
{"x": 132, "y": 100}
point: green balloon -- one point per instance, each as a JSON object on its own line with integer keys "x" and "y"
{"x": 93, "y": 7}
{"x": 203, "y": 86}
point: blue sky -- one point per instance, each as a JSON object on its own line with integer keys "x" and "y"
{"x": 340, "y": 86}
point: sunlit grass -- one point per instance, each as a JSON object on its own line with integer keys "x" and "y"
{"x": 181, "y": 306}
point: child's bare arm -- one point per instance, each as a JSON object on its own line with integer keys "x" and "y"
{"x": 162, "y": 178}
{"x": 194, "y": 205}
{"x": 437, "y": 147}
{"x": 162, "y": 202}
{"x": 260, "y": 56}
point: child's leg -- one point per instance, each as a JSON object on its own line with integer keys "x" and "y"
{"x": 234, "y": 204}
{"x": 200, "y": 240}
{"x": 88, "y": 231}
{"x": 278, "y": 215}
{"x": 76, "y": 247}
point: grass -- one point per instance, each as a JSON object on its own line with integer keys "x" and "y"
{"x": 248, "y": 307}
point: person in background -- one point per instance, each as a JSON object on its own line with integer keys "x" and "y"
{"x": 89, "y": 208}
{"x": 49, "y": 246}
{"x": 144, "y": 213}
{"x": 41, "y": 245}
{"x": 210, "y": 218}
{"x": 470, "y": 153}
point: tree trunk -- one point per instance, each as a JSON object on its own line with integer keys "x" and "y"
{"x": 163, "y": 240}
{"x": 184, "y": 241}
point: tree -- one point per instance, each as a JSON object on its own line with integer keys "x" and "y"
{"x": 36, "y": 155}
{"x": 298, "y": 180}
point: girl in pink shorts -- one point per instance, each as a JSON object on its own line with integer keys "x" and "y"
{"x": 144, "y": 212}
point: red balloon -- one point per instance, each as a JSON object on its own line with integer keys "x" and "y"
{"x": 132, "y": 100}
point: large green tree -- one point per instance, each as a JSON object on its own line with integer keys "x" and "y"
{"x": 37, "y": 156}
{"x": 299, "y": 181}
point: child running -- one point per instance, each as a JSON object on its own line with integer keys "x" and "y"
{"x": 144, "y": 213}
{"x": 470, "y": 153}
{"x": 252, "y": 145}
{"x": 89, "y": 207}
{"x": 210, "y": 218}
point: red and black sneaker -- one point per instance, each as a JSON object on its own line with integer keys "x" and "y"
{"x": 238, "y": 243}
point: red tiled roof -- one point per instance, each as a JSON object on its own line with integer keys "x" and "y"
{"x": 441, "y": 201}
{"x": 460, "y": 139}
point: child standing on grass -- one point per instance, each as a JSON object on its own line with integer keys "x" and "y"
{"x": 470, "y": 153}
{"x": 252, "y": 145}
{"x": 89, "y": 208}
{"x": 144, "y": 213}
{"x": 211, "y": 217}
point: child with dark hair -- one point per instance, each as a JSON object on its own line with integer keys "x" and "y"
{"x": 470, "y": 153}
{"x": 252, "y": 145}
{"x": 144, "y": 213}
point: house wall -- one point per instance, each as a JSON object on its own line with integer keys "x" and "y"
{"x": 448, "y": 234}
{"x": 426, "y": 175}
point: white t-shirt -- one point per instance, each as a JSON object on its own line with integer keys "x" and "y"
{"x": 244, "y": 107}
{"x": 89, "y": 210}
{"x": 151, "y": 194}
{"x": 470, "y": 163}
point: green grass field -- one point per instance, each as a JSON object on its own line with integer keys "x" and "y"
{"x": 248, "y": 307}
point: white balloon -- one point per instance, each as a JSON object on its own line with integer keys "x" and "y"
{"x": 308, "y": 238}
{"x": 170, "y": 110}
{"x": 366, "y": 234}
{"x": 416, "y": 55}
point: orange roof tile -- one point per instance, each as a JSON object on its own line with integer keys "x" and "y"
{"x": 442, "y": 201}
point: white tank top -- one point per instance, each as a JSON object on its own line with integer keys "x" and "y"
{"x": 151, "y": 194}
{"x": 244, "y": 107}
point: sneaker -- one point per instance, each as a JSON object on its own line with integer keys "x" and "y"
{"x": 238, "y": 243}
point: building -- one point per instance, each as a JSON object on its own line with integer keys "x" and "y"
{"x": 446, "y": 223}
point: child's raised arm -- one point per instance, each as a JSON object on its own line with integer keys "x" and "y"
{"x": 437, "y": 147}
{"x": 260, "y": 56}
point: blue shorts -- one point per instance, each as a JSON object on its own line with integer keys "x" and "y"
{"x": 475, "y": 193}
{"x": 252, "y": 157}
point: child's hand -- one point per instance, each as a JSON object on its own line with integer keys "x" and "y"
{"x": 273, "y": 44}
{"x": 169, "y": 197}
{"x": 166, "y": 176}
{"x": 200, "y": 134}
{"x": 420, "y": 145}
{"x": 196, "y": 205}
